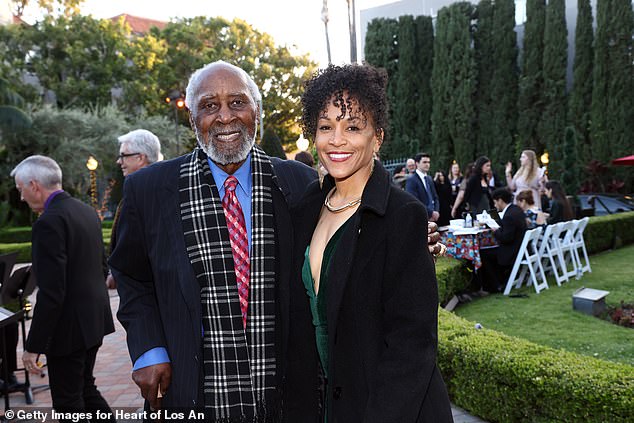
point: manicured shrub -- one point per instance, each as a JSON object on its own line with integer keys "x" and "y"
{"x": 507, "y": 379}
{"x": 452, "y": 276}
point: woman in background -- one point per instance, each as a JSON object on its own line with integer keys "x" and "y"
{"x": 560, "y": 210}
{"x": 455, "y": 179}
{"x": 443, "y": 189}
{"x": 477, "y": 193}
{"x": 534, "y": 217}
{"x": 359, "y": 240}
{"x": 528, "y": 176}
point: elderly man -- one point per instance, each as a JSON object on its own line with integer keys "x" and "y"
{"x": 72, "y": 313}
{"x": 202, "y": 263}
{"x": 137, "y": 149}
{"x": 202, "y": 257}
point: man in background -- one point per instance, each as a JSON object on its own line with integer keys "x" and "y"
{"x": 421, "y": 186}
{"x": 137, "y": 149}
{"x": 72, "y": 312}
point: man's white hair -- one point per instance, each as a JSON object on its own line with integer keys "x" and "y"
{"x": 144, "y": 142}
{"x": 196, "y": 78}
{"x": 41, "y": 169}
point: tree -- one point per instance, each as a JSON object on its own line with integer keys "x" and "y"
{"x": 571, "y": 173}
{"x": 553, "y": 119}
{"x": 453, "y": 84}
{"x": 381, "y": 50}
{"x": 64, "y": 7}
{"x": 581, "y": 93}
{"x": 193, "y": 42}
{"x": 485, "y": 52}
{"x": 530, "y": 101}
{"x": 12, "y": 117}
{"x": 405, "y": 116}
{"x": 425, "y": 64}
{"x": 271, "y": 144}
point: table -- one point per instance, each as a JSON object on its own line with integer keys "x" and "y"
{"x": 466, "y": 243}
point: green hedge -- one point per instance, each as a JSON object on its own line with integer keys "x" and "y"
{"x": 453, "y": 276}
{"x": 605, "y": 232}
{"x": 23, "y": 249}
{"x": 504, "y": 379}
{"x": 15, "y": 235}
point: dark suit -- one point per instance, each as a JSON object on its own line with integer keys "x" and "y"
{"x": 497, "y": 262}
{"x": 415, "y": 186}
{"x": 382, "y": 312}
{"x": 72, "y": 313}
{"x": 160, "y": 296}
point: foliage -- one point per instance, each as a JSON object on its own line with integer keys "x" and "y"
{"x": 612, "y": 113}
{"x": 452, "y": 276}
{"x": 11, "y": 116}
{"x": 570, "y": 172}
{"x": 193, "y": 42}
{"x": 271, "y": 144}
{"x": 523, "y": 381}
{"x": 453, "y": 85}
{"x": 69, "y": 136}
{"x": 602, "y": 231}
{"x": 422, "y": 81}
{"x": 552, "y": 122}
{"x": 381, "y": 50}
{"x": 530, "y": 101}
{"x": 65, "y": 7}
{"x": 581, "y": 93}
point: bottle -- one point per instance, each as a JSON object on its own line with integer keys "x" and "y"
{"x": 468, "y": 221}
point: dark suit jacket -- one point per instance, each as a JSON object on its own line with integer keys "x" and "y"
{"x": 160, "y": 296}
{"x": 72, "y": 309}
{"x": 415, "y": 186}
{"x": 510, "y": 235}
{"x": 382, "y": 311}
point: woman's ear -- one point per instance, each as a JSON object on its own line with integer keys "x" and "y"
{"x": 379, "y": 140}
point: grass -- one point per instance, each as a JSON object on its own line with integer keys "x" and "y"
{"x": 548, "y": 318}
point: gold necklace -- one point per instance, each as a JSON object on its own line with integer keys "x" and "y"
{"x": 340, "y": 208}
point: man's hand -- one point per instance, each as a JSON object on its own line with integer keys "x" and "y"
{"x": 30, "y": 363}
{"x": 148, "y": 379}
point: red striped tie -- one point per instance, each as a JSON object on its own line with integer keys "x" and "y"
{"x": 239, "y": 242}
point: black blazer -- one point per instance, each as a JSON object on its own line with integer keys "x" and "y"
{"x": 510, "y": 235}
{"x": 415, "y": 186}
{"x": 473, "y": 194}
{"x": 73, "y": 308}
{"x": 382, "y": 311}
{"x": 160, "y": 296}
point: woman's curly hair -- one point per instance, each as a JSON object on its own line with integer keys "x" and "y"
{"x": 363, "y": 83}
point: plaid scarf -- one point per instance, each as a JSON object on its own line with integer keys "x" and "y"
{"x": 239, "y": 365}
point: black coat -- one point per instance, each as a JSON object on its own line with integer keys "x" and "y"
{"x": 160, "y": 296}
{"x": 510, "y": 235}
{"x": 382, "y": 311}
{"x": 72, "y": 311}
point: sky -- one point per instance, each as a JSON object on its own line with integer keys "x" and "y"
{"x": 292, "y": 22}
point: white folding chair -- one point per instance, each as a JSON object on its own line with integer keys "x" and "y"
{"x": 550, "y": 253}
{"x": 529, "y": 260}
{"x": 579, "y": 243}
{"x": 566, "y": 245}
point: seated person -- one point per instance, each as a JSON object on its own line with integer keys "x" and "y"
{"x": 534, "y": 217}
{"x": 497, "y": 262}
{"x": 560, "y": 209}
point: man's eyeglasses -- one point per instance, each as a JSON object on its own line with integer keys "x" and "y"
{"x": 122, "y": 156}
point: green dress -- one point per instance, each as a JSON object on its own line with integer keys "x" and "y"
{"x": 318, "y": 301}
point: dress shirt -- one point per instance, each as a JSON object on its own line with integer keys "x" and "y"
{"x": 159, "y": 355}
{"x": 422, "y": 176}
{"x": 504, "y": 211}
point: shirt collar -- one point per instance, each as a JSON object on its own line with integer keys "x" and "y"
{"x": 504, "y": 211}
{"x": 421, "y": 173}
{"x": 243, "y": 175}
{"x": 50, "y": 198}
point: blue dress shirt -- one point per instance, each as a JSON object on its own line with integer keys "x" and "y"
{"x": 159, "y": 355}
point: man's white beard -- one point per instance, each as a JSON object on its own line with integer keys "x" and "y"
{"x": 234, "y": 155}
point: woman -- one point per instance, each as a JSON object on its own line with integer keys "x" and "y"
{"x": 455, "y": 179}
{"x": 458, "y": 206}
{"x": 359, "y": 240}
{"x": 477, "y": 193}
{"x": 443, "y": 188}
{"x": 528, "y": 176}
{"x": 534, "y": 217}
{"x": 560, "y": 210}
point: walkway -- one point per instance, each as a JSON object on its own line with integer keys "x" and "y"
{"x": 112, "y": 373}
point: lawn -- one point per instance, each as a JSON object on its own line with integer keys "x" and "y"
{"x": 548, "y": 319}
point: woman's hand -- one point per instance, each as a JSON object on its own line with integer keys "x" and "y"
{"x": 509, "y": 167}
